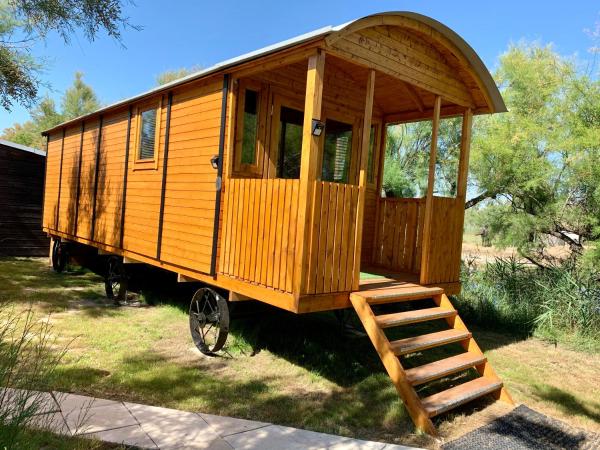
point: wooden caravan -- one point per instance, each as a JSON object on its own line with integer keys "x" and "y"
{"x": 262, "y": 176}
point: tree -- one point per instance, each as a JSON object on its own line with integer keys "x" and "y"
{"x": 24, "y": 22}
{"x": 538, "y": 165}
{"x": 406, "y": 165}
{"x": 78, "y": 100}
{"x": 172, "y": 75}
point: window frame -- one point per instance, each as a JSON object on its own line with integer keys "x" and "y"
{"x": 348, "y": 119}
{"x": 377, "y": 123}
{"x": 148, "y": 163}
{"x": 279, "y": 101}
{"x": 255, "y": 168}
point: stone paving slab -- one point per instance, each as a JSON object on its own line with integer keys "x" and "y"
{"x": 275, "y": 437}
{"x": 173, "y": 429}
{"x": 225, "y": 426}
{"x": 131, "y": 435}
{"x": 19, "y": 399}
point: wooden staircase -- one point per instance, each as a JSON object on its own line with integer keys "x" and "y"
{"x": 423, "y": 409}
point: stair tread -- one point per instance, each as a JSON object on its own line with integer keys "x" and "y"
{"x": 458, "y": 395}
{"x": 397, "y": 293}
{"x": 443, "y": 367}
{"x": 425, "y": 341}
{"x": 413, "y": 316}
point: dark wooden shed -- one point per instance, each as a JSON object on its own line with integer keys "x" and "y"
{"x": 21, "y": 198}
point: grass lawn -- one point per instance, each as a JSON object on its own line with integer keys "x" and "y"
{"x": 291, "y": 370}
{"x": 36, "y": 440}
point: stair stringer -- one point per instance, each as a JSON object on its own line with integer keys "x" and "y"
{"x": 392, "y": 365}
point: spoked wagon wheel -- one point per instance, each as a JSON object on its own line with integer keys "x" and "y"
{"x": 115, "y": 283}
{"x": 59, "y": 256}
{"x": 209, "y": 320}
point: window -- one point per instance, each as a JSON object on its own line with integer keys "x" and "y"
{"x": 147, "y": 137}
{"x": 147, "y": 123}
{"x": 290, "y": 142}
{"x": 337, "y": 151}
{"x": 250, "y": 123}
{"x": 250, "y": 127}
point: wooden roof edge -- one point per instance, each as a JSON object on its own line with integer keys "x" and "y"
{"x": 482, "y": 75}
{"x": 22, "y": 147}
{"x": 440, "y": 32}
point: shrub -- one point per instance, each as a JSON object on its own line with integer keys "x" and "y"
{"x": 561, "y": 302}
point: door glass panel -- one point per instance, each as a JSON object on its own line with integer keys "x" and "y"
{"x": 337, "y": 151}
{"x": 250, "y": 130}
{"x": 290, "y": 143}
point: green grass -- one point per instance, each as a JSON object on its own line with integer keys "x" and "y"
{"x": 278, "y": 367}
{"x": 36, "y": 440}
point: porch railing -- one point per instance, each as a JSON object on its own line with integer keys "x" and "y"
{"x": 444, "y": 256}
{"x": 331, "y": 255}
{"x": 259, "y": 231}
{"x": 399, "y": 234}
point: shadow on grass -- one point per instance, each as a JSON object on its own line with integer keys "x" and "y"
{"x": 568, "y": 403}
{"x": 367, "y": 409}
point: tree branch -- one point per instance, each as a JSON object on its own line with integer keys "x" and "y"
{"x": 478, "y": 199}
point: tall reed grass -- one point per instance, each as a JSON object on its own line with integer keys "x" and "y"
{"x": 561, "y": 303}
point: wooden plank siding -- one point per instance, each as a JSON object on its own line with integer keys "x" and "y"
{"x": 189, "y": 209}
{"x": 189, "y": 188}
{"x": 405, "y": 56}
{"x": 109, "y": 193}
{"x": 259, "y": 239}
{"x": 21, "y": 191}
{"x": 446, "y": 241}
{"x": 399, "y": 234}
{"x": 53, "y": 156}
{"x": 332, "y": 237}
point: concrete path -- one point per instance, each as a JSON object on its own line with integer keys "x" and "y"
{"x": 152, "y": 427}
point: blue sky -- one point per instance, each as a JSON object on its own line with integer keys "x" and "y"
{"x": 188, "y": 33}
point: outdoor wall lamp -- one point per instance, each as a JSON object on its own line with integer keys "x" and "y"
{"x": 214, "y": 162}
{"x": 317, "y": 127}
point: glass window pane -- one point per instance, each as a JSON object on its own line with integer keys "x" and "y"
{"x": 337, "y": 151}
{"x": 147, "y": 134}
{"x": 250, "y": 130}
{"x": 290, "y": 143}
{"x": 371, "y": 162}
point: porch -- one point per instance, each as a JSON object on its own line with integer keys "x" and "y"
{"x": 303, "y": 211}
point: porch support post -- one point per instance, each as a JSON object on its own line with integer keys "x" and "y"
{"x": 362, "y": 176}
{"x": 463, "y": 163}
{"x": 426, "y": 246}
{"x": 308, "y": 168}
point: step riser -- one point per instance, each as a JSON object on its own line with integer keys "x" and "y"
{"x": 397, "y": 299}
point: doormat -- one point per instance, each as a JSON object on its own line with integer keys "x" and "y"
{"x": 526, "y": 429}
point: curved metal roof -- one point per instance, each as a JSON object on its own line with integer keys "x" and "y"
{"x": 476, "y": 64}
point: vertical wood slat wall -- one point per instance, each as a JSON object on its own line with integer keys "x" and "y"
{"x": 332, "y": 238}
{"x": 446, "y": 241}
{"x": 259, "y": 235}
{"x": 399, "y": 234}
{"x": 190, "y": 180}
